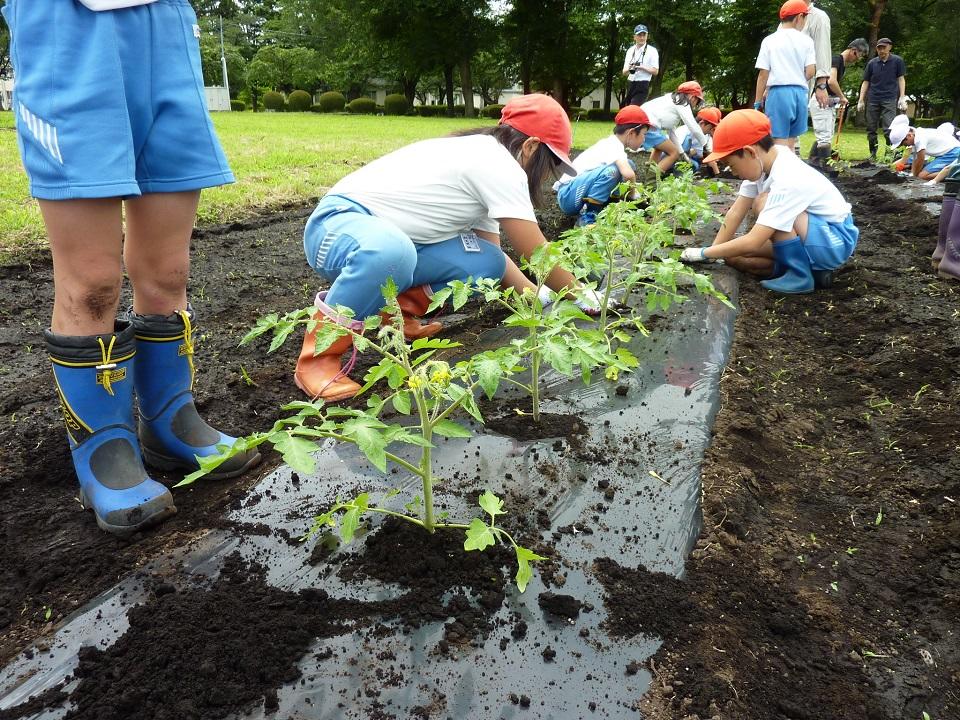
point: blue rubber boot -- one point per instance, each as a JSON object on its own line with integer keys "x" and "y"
{"x": 94, "y": 381}
{"x": 797, "y": 279}
{"x": 172, "y": 433}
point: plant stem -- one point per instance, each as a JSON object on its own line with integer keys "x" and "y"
{"x": 535, "y": 374}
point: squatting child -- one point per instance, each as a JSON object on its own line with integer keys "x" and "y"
{"x": 602, "y": 167}
{"x": 804, "y": 228}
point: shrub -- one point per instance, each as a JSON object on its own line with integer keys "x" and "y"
{"x": 299, "y": 101}
{"x": 600, "y": 114}
{"x": 395, "y": 104}
{"x": 238, "y": 105}
{"x": 316, "y": 109}
{"x": 362, "y": 106}
{"x": 272, "y": 100}
{"x": 431, "y": 110}
{"x": 492, "y": 111}
{"x": 332, "y": 101}
{"x": 577, "y": 113}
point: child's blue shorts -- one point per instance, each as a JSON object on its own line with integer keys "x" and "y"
{"x": 939, "y": 163}
{"x": 654, "y": 138}
{"x": 111, "y": 103}
{"x": 786, "y": 106}
{"x": 830, "y": 244}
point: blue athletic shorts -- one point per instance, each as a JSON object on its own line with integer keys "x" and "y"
{"x": 939, "y": 163}
{"x": 596, "y": 186}
{"x": 786, "y": 106}
{"x": 830, "y": 244}
{"x": 654, "y": 138}
{"x": 111, "y": 103}
{"x": 357, "y": 252}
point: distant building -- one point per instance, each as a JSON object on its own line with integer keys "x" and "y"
{"x": 6, "y": 93}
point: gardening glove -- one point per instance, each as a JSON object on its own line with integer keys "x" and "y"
{"x": 590, "y": 301}
{"x": 546, "y": 296}
{"x": 860, "y": 106}
{"x": 694, "y": 255}
{"x": 902, "y": 104}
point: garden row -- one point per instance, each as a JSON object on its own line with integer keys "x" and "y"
{"x": 422, "y": 382}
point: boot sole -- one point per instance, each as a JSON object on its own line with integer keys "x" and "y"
{"x": 125, "y": 530}
{"x": 168, "y": 463}
{"x": 331, "y": 398}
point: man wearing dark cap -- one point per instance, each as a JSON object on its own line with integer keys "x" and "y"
{"x": 640, "y": 65}
{"x": 882, "y": 92}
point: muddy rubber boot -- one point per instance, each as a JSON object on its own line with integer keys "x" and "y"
{"x": 949, "y": 267}
{"x": 822, "y": 279}
{"x": 946, "y": 213}
{"x": 172, "y": 433}
{"x": 797, "y": 278}
{"x": 319, "y": 374}
{"x": 588, "y": 214}
{"x": 413, "y": 304}
{"x": 94, "y": 381}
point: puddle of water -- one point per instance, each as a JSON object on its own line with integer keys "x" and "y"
{"x": 652, "y": 519}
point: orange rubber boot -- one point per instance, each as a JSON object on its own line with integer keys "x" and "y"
{"x": 320, "y": 375}
{"x": 414, "y": 303}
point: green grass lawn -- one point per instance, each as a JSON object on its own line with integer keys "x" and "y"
{"x": 282, "y": 158}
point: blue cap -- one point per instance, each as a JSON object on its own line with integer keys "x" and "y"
{"x": 640, "y": 29}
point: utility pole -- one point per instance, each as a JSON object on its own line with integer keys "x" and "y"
{"x": 223, "y": 59}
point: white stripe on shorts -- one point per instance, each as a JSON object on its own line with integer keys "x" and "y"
{"x": 43, "y": 132}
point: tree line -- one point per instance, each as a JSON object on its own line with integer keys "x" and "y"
{"x": 436, "y": 48}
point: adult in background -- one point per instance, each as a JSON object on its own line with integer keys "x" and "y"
{"x": 640, "y": 65}
{"x": 825, "y": 118}
{"x": 882, "y": 92}
{"x": 817, "y": 28}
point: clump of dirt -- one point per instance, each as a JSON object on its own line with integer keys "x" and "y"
{"x": 884, "y": 176}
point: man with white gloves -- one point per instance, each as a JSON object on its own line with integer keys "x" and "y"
{"x": 882, "y": 92}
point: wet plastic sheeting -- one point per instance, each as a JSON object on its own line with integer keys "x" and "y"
{"x": 665, "y": 415}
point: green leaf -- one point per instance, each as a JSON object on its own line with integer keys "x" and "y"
{"x": 491, "y": 504}
{"x": 448, "y": 428}
{"x": 351, "y": 518}
{"x": 297, "y": 452}
{"x": 401, "y": 402}
{"x": 479, "y": 536}
{"x": 367, "y": 433}
{"x": 424, "y": 343}
{"x": 524, "y": 571}
{"x": 439, "y": 298}
{"x": 263, "y": 325}
{"x": 461, "y": 293}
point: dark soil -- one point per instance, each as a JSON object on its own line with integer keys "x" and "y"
{"x": 825, "y": 584}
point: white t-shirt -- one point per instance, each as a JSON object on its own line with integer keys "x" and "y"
{"x": 695, "y": 146}
{"x": 934, "y": 142}
{"x": 603, "y": 152}
{"x": 795, "y": 187}
{"x": 646, "y": 55}
{"x": 786, "y": 54}
{"x": 667, "y": 116}
{"x": 98, "y": 5}
{"x": 435, "y": 189}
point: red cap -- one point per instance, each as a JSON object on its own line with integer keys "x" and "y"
{"x": 542, "y": 117}
{"x": 691, "y": 87}
{"x": 711, "y": 115}
{"x": 793, "y": 7}
{"x": 737, "y": 130}
{"x": 632, "y": 115}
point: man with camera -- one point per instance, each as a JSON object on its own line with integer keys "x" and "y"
{"x": 640, "y": 65}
